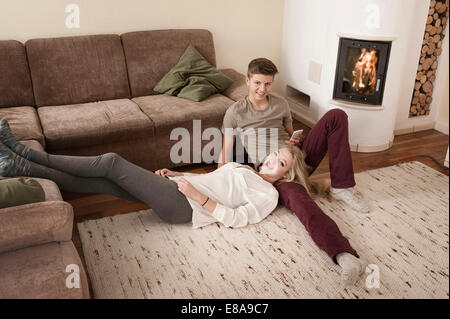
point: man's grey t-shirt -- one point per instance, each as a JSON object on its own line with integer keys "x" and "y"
{"x": 261, "y": 131}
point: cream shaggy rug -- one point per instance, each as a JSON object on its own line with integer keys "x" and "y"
{"x": 404, "y": 238}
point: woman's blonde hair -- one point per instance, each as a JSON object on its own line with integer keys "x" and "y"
{"x": 299, "y": 173}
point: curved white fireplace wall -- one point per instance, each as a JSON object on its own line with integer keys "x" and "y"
{"x": 309, "y": 53}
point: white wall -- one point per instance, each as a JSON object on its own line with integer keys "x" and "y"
{"x": 438, "y": 107}
{"x": 242, "y": 30}
{"x": 440, "y": 92}
{"x": 443, "y": 107}
{"x": 310, "y": 34}
{"x": 305, "y": 39}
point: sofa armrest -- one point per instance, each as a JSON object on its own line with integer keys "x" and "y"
{"x": 34, "y": 224}
{"x": 238, "y": 89}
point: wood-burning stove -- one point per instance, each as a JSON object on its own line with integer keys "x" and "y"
{"x": 361, "y": 71}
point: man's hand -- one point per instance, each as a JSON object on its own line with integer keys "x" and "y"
{"x": 167, "y": 173}
{"x": 296, "y": 141}
{"x": 188, "y": 190}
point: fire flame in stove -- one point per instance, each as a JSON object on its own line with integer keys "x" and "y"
{"x": 365, "y": 71}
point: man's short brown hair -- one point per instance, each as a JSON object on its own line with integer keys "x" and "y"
{"x": 261, "y": 66}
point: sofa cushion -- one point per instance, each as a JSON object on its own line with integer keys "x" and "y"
{"x": 35, "y": 224}
{"x": 193, "y": 78}
{"x": 24, "y": 123}
{"x": 169, "y": 112}
{"x": 20, "y": 191}
{"x": 239, "y": 89}
{"x": 78, "y": 125}
{"x": 151, "y": 54}
{"x": 33, "y": 144}
{"x": 51, "y": 190}
{"x": 80, "y": 69}
{"x": 39, "y": 272}
{"x": 15, "y": 81}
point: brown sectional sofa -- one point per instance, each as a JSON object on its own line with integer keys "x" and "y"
{"x": 89, "y": 95}
{"x": 36, "y": 247}
{"x": 94, "y": 94}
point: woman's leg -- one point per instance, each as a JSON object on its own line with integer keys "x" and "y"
{"x": 15, "y": 165}
{"x": 330, "y": 135}
{"x": 159, "y": 193}
{"x": 77, "y": 184}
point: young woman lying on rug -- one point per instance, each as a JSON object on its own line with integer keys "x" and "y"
{"x": 234, "y": 194}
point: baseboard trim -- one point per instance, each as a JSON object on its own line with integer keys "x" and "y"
{"x": 370, "y": 148}
{"x": 404, "y": 131}
{"x": 302, "y": 118}
{"x": 415, "y": 128}
{"x": 441, "y": 127}
{"x": 446, "y": 159}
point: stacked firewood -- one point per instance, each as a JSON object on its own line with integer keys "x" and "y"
{"x": 431, "y": 50}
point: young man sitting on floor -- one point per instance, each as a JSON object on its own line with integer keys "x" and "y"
{"x": 262, "y": 110}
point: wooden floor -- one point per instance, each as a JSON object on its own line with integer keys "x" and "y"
{"x": 428, "y": 147}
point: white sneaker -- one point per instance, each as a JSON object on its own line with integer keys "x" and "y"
{"x": 351, "y": 197}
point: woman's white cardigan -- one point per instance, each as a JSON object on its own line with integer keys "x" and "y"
{"x": 242, "y": 196}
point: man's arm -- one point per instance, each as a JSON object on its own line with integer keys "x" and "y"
{"x": 227, "y": 150}
{"x": 290, "y": 130}
{"x": 299, "y": 139}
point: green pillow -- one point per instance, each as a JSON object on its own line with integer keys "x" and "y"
{"x": 20, "y": 191}
{"x": 193, "y": 78}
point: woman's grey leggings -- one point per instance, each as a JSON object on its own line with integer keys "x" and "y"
{"x": 111, "y": 174}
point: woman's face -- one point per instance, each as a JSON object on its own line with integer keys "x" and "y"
{"x": 277, "y": 164}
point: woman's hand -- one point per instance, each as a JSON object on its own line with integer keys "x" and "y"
{"x": 167, "y": 173}
{"x": 188, "y": 190}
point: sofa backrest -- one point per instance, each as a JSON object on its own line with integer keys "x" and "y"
{"x": 78, "y": 69}
{"x": 15, "y": 81}
{"x": 151, "y": 54}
